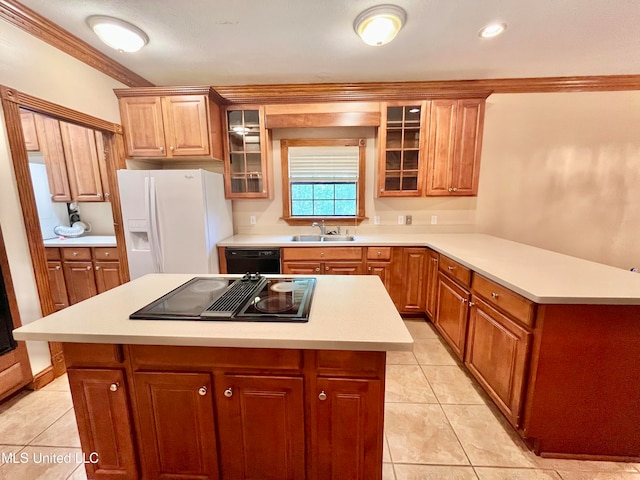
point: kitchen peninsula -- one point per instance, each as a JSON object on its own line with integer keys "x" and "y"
{"x": 210, "y": 399}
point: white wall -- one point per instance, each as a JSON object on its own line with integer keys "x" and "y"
{"x": 32, "y": 66}
{"x": 562, "y": 171}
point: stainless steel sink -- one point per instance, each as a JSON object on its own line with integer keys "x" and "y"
{"x": 323, "y": 238}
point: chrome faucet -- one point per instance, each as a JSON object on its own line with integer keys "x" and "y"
{"x": 323, "y": 229}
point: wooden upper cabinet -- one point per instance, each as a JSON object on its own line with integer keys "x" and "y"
{"x": 81, "y": 157}
{"x": 246, "y": 168}
{"x": 164, "y": 124}
{"x": 50, "y": 140}
{"x": 29, "y": 131}
{"x": 402, "y": 148}
{"x": 143, "y": 128}
{"x": 186, "y": 125}
{"x": 455, "y": 141}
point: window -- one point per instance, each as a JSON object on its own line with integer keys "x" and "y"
{"x": 323, "y": 179}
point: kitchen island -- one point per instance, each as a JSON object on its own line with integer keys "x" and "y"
{"x": 211, "y": 399}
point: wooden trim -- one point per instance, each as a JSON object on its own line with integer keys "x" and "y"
{"x": 306, "y": 120}
{"x": 43, "y": 29}
{"x": 286, "y": 201}
{"x": 428, "y": 90}
{"x": 43, "y": 378}
{"x": 171, "y": 90}
{"x": 58, "y": 111}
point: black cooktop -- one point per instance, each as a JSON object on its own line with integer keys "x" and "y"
{"x": 250, "y": 298}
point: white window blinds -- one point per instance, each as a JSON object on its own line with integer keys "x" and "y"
{"x": 323, "y": 164}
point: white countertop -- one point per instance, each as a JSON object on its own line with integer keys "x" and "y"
{"x": 84, "y": 241}
{"x": 347, "y": 313}
{"x": 540, "y": 275}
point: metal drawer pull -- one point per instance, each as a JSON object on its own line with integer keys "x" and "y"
{"x": 471, "y": 304}
{"x": 114, "y": 387}
{"x": 450, "y": 267}
{"x": 202, "y": 391}
{"x": 106, "y": 254}
{"x": 57, "y": 267}
{"x": 317, "y": 269}
{"x": 494, "y": 295}
{"x": 97, "y": 267}
{"x": 379, "y": 253}
{"x": 463, "y": 300}
{"x": 228, "y": 393}
{"x": 326, "y": 269}
{"x": 89, "y": 267}
{"x": 369, "y": 268}
{"x": 322, "y": 396}
{"x": 75, "y": 254}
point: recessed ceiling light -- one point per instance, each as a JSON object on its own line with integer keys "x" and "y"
{"x": 492, "y": 30}
{"x": 117, "y": 33}
{"x": 380, "y": 24}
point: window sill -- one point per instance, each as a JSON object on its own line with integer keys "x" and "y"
{"x": 329, "y": 221}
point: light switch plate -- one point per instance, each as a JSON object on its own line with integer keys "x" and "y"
{"x": 434, "y": 219}
{"x": 376, "y": 219}
{"x": 252, "y": 219}
{"x": 400, "y": 219}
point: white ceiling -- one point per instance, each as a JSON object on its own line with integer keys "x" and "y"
{"x": 241, "y": 42}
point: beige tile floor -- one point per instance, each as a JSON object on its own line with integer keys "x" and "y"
{"x": 439, "y": 425}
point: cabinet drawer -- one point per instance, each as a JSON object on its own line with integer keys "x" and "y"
{"x": 105, "y": 253}
{"x": 70, "y": 253}
{"x": 52, "y": 253}
{"x": 455, "y": 270}
{"x": 379, "y": 253}
{"x": 510, "y": 302}
{"x": 92, "y": 354}
{"x": 322, "y": 253}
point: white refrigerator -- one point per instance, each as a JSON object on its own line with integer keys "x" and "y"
{"x": 173, "y": 219}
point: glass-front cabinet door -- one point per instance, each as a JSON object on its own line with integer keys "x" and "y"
{"x": 402, "y": 148}
{"x": 245, "y": 156}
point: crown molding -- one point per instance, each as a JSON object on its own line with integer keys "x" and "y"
{"x": 173, "y": 90}
{"x": 389, "y": 91}
{"x": 26, "y": 19}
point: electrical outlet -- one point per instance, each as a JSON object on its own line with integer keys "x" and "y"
{"x": 400, "y": 219}
{"x": 409, "y": 220}
{"x": 252, "y": 219}
{"x": 376, "y": 219}
{"x": 434, "y": 219}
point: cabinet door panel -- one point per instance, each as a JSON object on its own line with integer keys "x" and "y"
{"x": 177, "y": 429}
{"x": 80, "y": 280}
{"x": 381, "y": 269}
{"x": 81, "y": 157}
{"x": 452, "y": 313}
{"x": 497, "y": 355}
{"x": 107, "y": 275}
{"x": 441, "y": 144}
{"x": 343, "y": 268}
{"x": 57, "y": 285}
{"x": 468, "y": 142}
{"x": 104, "y": 422}
{"x": 302, "y": 268}
{"x": 349, "y": 429}
{"x": 414, "y": 262}
{"x": 143, "y": 126}
{"x": 186, "y": 125}
{"x": 51, "y": 146}
{"x": 261, "y": 425}
{"x": 29, "y": 131}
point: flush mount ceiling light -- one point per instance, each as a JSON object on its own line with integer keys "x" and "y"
{"x": 380, "y": 24}
{"x": 492, "y": 30}
{"x": 117, "y": 33}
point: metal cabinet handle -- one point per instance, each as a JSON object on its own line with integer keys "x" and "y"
{"x": 75, "y": 254}
{"x": 379, "y": 253}
{"x": 107, "y": 195}
{"x": 228, "y": 392}
{"x": 463, "y": 300}
{"x": 322, "y": 396}
{"x": 106, "y": 254}
{"x": 455, "y": 189}
{"x": 471, "y": 304}
{"x": 162, "y": 149}
{"x": 450, "y": 189}
{"x": 57, "y": 267}
{"x": 450, "y": 267}
{"x": 317, "y": 269}
{"x": 369, "y": 268}
{"x": 202, "y": 391}
{"x": 97, "y": 267}
{"x": 172, "y": 148}
{"x": 326, "y": 269}
{"x": 89, "y": 267}
{"x": 322, "y": 254}
{"x": 114, "y": 387}
{"x": 494, "y": 295}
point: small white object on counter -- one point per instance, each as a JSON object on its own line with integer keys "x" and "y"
{"x": 350, "y": 312}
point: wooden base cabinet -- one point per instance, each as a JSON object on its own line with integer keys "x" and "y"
{"x": 323, "y": 261}
{"x": 498, "y": 356}
{"x": 431, "y": 295}
{"x": 228, "y": 413}
{"x": 102, "y": 411}
{"x": 176, "y": 425}
{"x": 453, "y": 313}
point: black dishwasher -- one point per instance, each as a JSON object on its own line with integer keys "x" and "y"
{"x": 243, "y": 260}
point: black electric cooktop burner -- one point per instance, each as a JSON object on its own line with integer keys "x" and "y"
{"x": 250, "y": 298}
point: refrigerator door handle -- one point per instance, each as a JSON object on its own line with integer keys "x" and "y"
{"x": 154, "y": 231}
